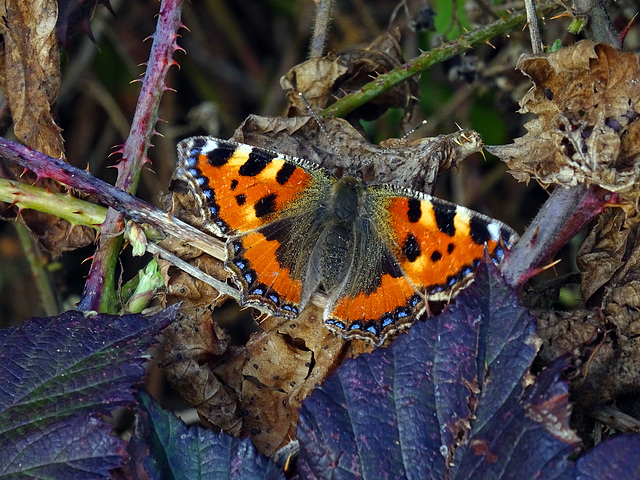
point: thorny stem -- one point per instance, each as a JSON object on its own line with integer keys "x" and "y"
{"x": 63, "y": 205}
{"x": 561, "y": 217}
{"x": 100, "y": 289}
{"x": 437, "y": 55}
{"x": 137, "y": 210}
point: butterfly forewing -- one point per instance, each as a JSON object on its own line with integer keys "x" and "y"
{"x": 241, "y": 188}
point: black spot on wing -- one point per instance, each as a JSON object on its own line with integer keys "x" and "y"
{"x": 415, "y": 210}
{"x": 219, "y": 156}
{"x": 198, "y": 143}
{"x": 444, "y": 218}
{"x": 266, "y": 205}
{"x": 435, "y": 256}
{"x": 241, "y": 199}
{"x": 450, "y": 248}
{"x": 285, "y": 172}
{"x": 275, "y": 230}
{"x": 234, "y": 184}
{"x": 255, "y": 164}
{"x": 411, "y": 248}
{"x": 478, "y": 230}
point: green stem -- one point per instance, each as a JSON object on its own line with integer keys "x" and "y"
{"x": 74, "y": 210}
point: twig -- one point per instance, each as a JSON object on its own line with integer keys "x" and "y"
{"x": 34, "y": 256}
{"x": 137, "y": 210}
{"x": 534, "y": 29}
{"x": 598, "y": 26}
{"x": 563, "y": 215}
{"x": 320, "y": 28}
{"x": 63, "y": 205}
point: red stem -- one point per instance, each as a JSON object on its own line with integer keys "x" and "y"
{"x": 100, "y": 289}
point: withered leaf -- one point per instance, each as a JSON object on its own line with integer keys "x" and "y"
{"x": 340, "y": 148}
{"x": 323, "y": 80}
{"x": 30, "y": 80}
{"x": 30, "y": 72}
{"x": 604, "y": 340}
{"x": 586, "y": 101}
{"x": 602, "y": 252}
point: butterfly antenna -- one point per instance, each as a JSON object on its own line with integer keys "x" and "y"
{"x": 414, "y": 129}
{"x": 387, "y": 150}
{"x": 313, "y": 114}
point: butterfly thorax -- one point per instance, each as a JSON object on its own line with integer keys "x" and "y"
{"x": 335, "y": 247}
{"x": 345, "y": 199}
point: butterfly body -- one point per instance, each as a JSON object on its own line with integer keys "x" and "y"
{"x": 292, "y": 230}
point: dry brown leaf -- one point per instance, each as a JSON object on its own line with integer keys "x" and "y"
{"x": 605, "y": 347}
{"x": 591, "y": 342}
{"x": 586, "y": 101}
{"x": 30, "y": 72}
{"x": 602, "y": 252}
{"x": 323, "y": 80}
{"x": 340, "y": 148}
{"x": 30, "y": 80}
{"x": 253, "y": 390}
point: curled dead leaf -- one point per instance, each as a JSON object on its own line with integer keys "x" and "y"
{"x": 586, "y": 101}
{"x": 325, "y": 79}
{"x": 254, "y": 389}
{"x": 603, "y": 251}
{"x": 30, "y": 72}
{"x": 340, "y": 148}
{"x": 30, "y": 80}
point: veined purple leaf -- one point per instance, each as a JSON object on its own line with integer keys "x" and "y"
{"x": 58, "y": 377}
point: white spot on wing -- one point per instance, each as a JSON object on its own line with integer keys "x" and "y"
{"x": 494, "y": 230}
{"x": 209, "y": 146}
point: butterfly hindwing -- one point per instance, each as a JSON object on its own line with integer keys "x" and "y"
{"x": 376, "y": 297}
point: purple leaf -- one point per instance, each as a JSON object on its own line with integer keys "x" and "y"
{"x": 613, "y": 459}
{"x": 446, "y": 400}
{"x": 179, "y": 452}
{"x": 58, "y": 377}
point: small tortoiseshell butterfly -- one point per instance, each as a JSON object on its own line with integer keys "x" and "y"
{"x": 292, "y": 229}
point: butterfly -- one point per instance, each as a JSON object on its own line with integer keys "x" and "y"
{"x": 378, "y": 252}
